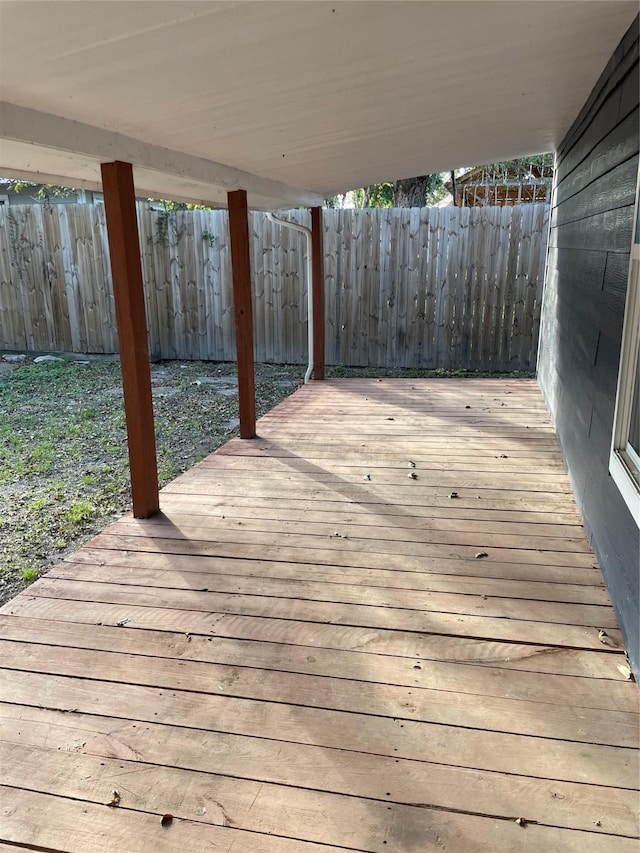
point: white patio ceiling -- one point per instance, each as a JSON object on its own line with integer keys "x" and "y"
{"x": 292, "y": 101}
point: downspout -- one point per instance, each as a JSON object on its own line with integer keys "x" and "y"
{"x": 306, "y": 231}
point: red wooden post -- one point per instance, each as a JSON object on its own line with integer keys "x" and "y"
{"x": 318, "y": 292}
{"x": 126, "y": 271}
{"x": 243, "y": 309}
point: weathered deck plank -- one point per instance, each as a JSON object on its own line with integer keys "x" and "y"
{"x": 304, "y": 651}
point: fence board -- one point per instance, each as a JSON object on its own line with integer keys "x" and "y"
{"x": 398, "y": 238}
{"x": 501, "y": 285}
{"x": 442, "y": 340}
{"x": 432, "y": 287}
{"x": 535, "y": 283}
{"x": 460, "y": 290}
{"x": 149, "y": 274}
{"x": 50, "y": 293}
{"x": 354, "y": 351}
{"x": 26, "y": 255}
{"x": 370, "y": 278}
{"x": 110, "y": 329}
{"x": 511, "y": 283}
{"x": 523, "y": 264}
{"x": 12, "y": 320}
{"x": 472, "y": 286}
{"x": 383, "y": 287}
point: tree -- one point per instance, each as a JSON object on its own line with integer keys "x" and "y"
{"x": 408, "y": 192}
{"x": 378, "y": 195}
{"x": 521, "y": 169}
{"x": 418, "y": 192}
{"x": 509, "y": 181}
{"x": 44, "y": 191}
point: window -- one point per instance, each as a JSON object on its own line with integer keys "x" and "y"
{"x": 624, "y": 462}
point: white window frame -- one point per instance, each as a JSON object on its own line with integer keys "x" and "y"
{"x": 624, "y": 462}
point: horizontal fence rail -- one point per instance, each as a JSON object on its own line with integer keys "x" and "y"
{"x": 451, "y": 287}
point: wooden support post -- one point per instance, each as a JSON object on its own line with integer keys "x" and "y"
{"x": 243, "y": 309}
{"x": 126, "y": 271}
{"x": 318, "y": 292}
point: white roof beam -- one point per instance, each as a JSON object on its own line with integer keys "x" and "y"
{"x": 204, "y": 180}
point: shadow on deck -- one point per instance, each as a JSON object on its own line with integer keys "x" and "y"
{"x": 377, "y": 627}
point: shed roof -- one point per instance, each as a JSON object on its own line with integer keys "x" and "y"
{"x": 291, "y": 101}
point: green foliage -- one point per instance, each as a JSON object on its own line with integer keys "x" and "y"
{"x": 209, "y": 238}
{"x": 78, "y": 512}
{"x": 40, "y": 458}
{"x": 167, "y": 470}
{"x": 377, "y": 195}
{"x": 386, "y": 193}
{"x": 520, "y": 169}
{"x": 171, "y": 206}
{"x": 52, "y": 191}
{"x": 44, "y": 190}
{"x": 38, "y": 504}
{"x": 30, "y": 574}
{"x": 436, "y": 189}
{"x": 17, "y": 186}
{"x": 389, "y": 193}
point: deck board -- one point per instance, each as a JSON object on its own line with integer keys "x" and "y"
{"x": 310, "y": 650}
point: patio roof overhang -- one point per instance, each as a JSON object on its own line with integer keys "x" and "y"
{"x": 290, "y": 101}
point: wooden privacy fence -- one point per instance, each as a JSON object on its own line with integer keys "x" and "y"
{"x": 432, "y": 287}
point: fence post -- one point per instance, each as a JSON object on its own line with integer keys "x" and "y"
{"x": 243, "y": 309}
{"x": 317, "y": 273}
{"x": 128, "y": 292}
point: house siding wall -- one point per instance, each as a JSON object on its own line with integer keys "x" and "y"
{"x": 583, "y": 311}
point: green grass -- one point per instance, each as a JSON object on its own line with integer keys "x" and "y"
{"x": 38, "y": 504}
{"x": 51, "y": 446}
{"x": 64, "y": 472}
{"x": 78, "y": 512}
{"x": 29, "y": 575}
{"x": 40, "y": 458}
{"x": 167, "y": 471}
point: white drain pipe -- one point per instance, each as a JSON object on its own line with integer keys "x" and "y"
{"x": 286, "y": 224}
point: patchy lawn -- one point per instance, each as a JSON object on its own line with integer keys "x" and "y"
{"x": 63, "y": 451}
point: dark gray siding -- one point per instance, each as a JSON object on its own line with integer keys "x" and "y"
{"x": 583, "y": 313}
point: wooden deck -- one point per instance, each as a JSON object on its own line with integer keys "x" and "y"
{"x": 377, "y": 627}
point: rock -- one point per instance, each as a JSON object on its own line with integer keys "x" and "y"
{"x": 43, "y": 359}
{"x": 164, "y": 391}
{"x": 12, "y": 359}
{"x": 217, "y": 380}
{"x": 227, "y": 386}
